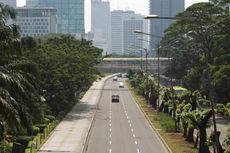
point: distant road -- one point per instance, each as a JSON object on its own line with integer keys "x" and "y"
{"x": 121, "y": 127}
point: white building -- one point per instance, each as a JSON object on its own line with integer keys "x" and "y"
{"x": 123, "y": 25}
{"x": 36, "y": 21}
{"x": 167, "y": 8}
{"x": 12, "y": 3}
{"x": 131, "y": 40}
{"x": 100, "y": 23}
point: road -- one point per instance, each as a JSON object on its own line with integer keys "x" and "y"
{"x": 121, "y": 127}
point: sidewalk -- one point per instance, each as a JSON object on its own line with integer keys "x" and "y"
{"x": 70, "y": 135}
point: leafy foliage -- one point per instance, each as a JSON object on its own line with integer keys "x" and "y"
{"x": 201, "y": 48}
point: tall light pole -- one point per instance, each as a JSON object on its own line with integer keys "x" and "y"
{"x": 134, "y": 47}
{"x": 158, "y": 63}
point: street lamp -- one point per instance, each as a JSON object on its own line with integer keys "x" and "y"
{"x": 153, "y": 16}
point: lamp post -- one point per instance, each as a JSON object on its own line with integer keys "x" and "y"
{"x": 134, "y": 47}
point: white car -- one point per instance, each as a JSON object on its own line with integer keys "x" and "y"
{"x": 121, "y": 85}
{"x": 115, "y": 78}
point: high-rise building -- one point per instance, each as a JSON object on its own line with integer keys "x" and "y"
{"x": 130, "y": 24}
{"x": 12, "y": 3}
{"x": 36, "y": 21}
{"x": 123, "y": 25}
{"x": 169, "y": 8}
{"x": 100, "y": 23}
{"x": 70, "y": 14}
{"x": 32, "y": 3}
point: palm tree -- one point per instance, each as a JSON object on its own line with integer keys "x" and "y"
{"x": 18, "y": 96}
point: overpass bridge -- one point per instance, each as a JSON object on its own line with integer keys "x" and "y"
{"x": 123, "y": 65}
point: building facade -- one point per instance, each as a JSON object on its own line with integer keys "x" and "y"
{"x": 12, "y": 3}
{"x": 123, "y": 25}
{"x": 100, "y": 23}
{"x": 166, "y": 8}
{"x": 70, "y": 14}
{"x": 34, "y": 21}
{"x": 131, "y": 44}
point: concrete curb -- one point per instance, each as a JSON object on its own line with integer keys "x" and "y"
{"x": 86, "y": 140}
{"x": 153, "y": 127}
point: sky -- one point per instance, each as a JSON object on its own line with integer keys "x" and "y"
{"x": 139, "y": 6}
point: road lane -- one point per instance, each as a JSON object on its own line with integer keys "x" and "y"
{"x": 121, "y": 127}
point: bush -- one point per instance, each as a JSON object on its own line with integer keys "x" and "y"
{"x": 47, "y": 121}
{"x": 24, "y": 140}
{"x": 5, "y": 148}
{"x": 41, "y": 127}
{"x": 221, "y": 109}
{"x": 36, "y": 130}
{"x": 50, "y": 117}
{"x": 166, "y": 121}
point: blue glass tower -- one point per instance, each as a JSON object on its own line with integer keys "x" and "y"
{"x": 70, "y": 15}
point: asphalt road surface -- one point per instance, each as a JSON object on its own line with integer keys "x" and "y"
{"x": 121, "y": 127}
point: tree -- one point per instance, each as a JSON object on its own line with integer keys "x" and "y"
{"x": 200, "y": 120}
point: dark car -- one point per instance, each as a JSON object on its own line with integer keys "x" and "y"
{"x": 115, "y": 97}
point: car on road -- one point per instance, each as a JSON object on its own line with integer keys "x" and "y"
{"x": 121, "y": 85}
{"x": 119, "y": 75}
{"x": 115, "y": 78}
{"x": 115, "y": 97}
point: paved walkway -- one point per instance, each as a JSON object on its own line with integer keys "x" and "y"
{"x": 70, "y": 135}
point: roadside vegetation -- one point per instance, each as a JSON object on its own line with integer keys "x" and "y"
{"x": 199, "y": 49}
{"x": 40, "y": 80}
{"x": 182, "y": 116}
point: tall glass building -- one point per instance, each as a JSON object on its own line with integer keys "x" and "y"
{"x": 9, "y": 2}
{"x": 166, "y": 8}
{"x": 70, "y": 14}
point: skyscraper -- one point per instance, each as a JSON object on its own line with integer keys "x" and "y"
{"x": 163, "y": 8}
{"x": 123, "y": 25}
{"x": 9, "y": 2}
{"x": 70, "y": 14}
{"x": 100, "y": 23}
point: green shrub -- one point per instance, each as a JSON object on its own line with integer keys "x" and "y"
{"x": 166, "y": 122}
{"x": 5, "y": 148}
{"x": 227, "y": 150}
{"x": 228, "y": 105}
{"x": 41, "y": 127}
{"x": 47, "y": 121}
{"x": 36, "y": 130}
{"x": 50, "y": 117}
{"x": 24, "y": 140}
{"x": 221, "y": 109}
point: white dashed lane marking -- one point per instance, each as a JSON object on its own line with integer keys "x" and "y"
{"x": 132, "y": 130}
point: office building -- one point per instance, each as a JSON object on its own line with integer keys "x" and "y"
{"x": 70, "y": 14}
{"x": 12, "y": 3}
{"x": 36, "y": 21}
{"x": 123, "y": 25}
{"x": 31, "y": 3}
{"x": 169, "y": 8}
{"x": 100, "y": 23}
{"x": 131, "y": 44}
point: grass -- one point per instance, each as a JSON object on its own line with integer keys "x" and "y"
{"x": 163, "y": 123}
